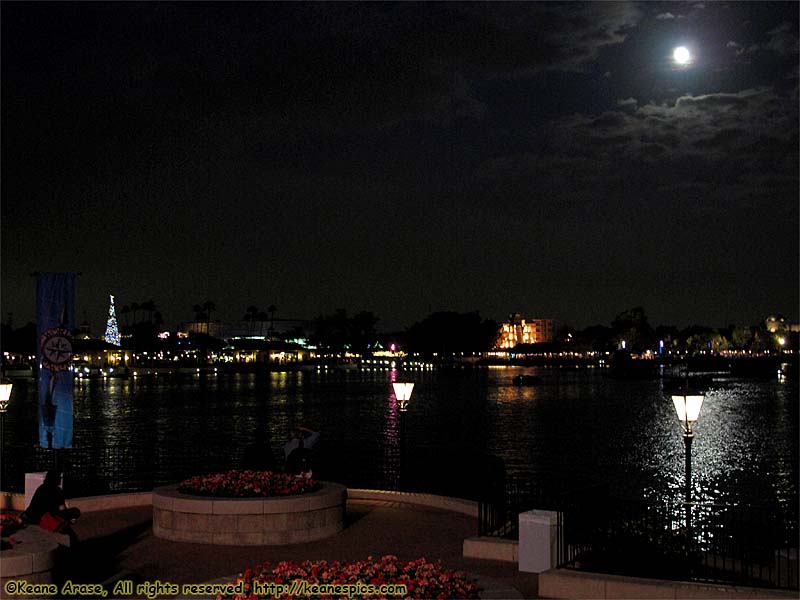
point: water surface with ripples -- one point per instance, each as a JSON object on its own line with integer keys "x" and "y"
{"x": 577, "y": 426}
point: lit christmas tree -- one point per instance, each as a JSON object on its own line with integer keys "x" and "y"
{"x": 112, "y": 332}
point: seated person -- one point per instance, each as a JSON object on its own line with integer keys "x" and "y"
{"x": 299, "y": 462}
{"x": 48, "y": 507}
{"x": 298, "y": 451}
{"x": 303, "y": 437}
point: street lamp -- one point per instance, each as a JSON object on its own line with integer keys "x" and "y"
{"x": 5, "y": 396}
{"x": 688, "y": 403}
{"x": 402, "y": 392}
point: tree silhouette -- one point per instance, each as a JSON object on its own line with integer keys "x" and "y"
{"x": 362, "y": 331}
{"x": 250, "y": 317}
{"x": 451, "y": 332}
{"x": 199, "y": 313}
{"x": 272, "y": 309}
{"x": 149, "y": 307}
{"x": 134, "y": 309}
{"x": 261, "y": 317}
{"x": 208, "y": 307}
{"x": 632, "y": 326}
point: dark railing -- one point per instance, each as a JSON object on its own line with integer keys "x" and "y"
{"x": 498, "y": 513}
{"x": 739, "y": 545}
{"x": 121, "y": 469}
{"x": 118, "y": 469}
{"x": 115, "y": 469}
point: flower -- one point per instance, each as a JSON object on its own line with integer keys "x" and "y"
{"x": 247, "y": 484}
{"x": 423, "y": 579}
{"x": 9, "y": 524}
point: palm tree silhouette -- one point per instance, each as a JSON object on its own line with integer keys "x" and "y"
{"x": 199, "y": 314}
{"x": 134, "y": 309}
{"x": 150, "y": 307}
{"x": 250, "y": 317}
{"x": 272, "y": 309}
{"x": 208, "y": 307}
{"x": 261, "y": 317}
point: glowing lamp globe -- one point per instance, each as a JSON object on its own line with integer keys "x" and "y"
{"x": 687, "y": 407}
{"x": 5, "y": 395}
{"x": 402, "y": 392}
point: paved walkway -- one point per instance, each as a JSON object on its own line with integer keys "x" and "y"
{"x": 119, "y": 545}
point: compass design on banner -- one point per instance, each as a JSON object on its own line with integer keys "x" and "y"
{"x": 56, "y": 349}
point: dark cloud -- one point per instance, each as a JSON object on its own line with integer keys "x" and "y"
{"x": 720, "y": 140}
{"x": 711, "y": 101}
{"x": 711, "y": 142}
{"x": 783, "y": 39}
{"x": 309, "y": 153}
{"x": 737, "y": 48}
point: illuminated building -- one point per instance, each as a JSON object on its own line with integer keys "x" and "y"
{"x": 519, "y": 330}
{"x": 776, "y": 324}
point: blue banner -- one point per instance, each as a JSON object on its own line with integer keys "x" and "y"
{"x": 55, "y": 321}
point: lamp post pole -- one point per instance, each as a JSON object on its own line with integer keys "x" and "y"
{"x": 402, "y": 392}
{"x": 5, "y": 396}
{"x": 402, "y": 478}
{"x": 688, "y": 437}
{"x": 687, "y": 406}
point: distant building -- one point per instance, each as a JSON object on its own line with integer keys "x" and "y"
{"x": 289, "y": 329}
{"x": 519, "y": 330}
{"x": 84, "y": 331}
{"x": 264, "y": 351}
{"x": 212, "y": 328}
{"x": 92, "y": 353}
{"x": 779, "y": 324}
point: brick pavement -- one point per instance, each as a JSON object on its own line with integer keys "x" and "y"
{"x": 119, "y": 544}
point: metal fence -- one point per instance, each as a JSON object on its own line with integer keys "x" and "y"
{"x": 739, "y": 545}
{"x": 498, "y": 514}
{"x": 115, "y": 469}
{"x": 100, "y": 470}
{"x": 498, "y": 511}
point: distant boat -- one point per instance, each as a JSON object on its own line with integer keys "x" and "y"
{"x": 527, "y": 380}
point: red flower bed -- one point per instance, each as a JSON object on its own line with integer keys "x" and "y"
{"x": 9, "y": 524}
{"x": 422, "y": 579}
{"x": 247, "y": 484}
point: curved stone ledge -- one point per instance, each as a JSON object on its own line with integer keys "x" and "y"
{"x": 32, "y": 559}
{"x": 249, "y": 521}
{"x": 458, "y": 505}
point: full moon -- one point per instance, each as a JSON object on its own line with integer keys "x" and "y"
{"x": 681, "y": 55}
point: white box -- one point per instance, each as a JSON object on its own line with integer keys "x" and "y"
{"x": 538, "y": 535}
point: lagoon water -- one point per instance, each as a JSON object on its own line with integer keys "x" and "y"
{"x": 577, "y": 427}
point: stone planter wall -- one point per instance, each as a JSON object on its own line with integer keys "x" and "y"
{"x": 32, "y": 559}
{"x": 249, "y": 521}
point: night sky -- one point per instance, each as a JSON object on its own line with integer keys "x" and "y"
{"x": 404, "y": 158}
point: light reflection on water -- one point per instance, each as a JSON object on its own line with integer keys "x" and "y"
{"x": 576, "y": 428}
